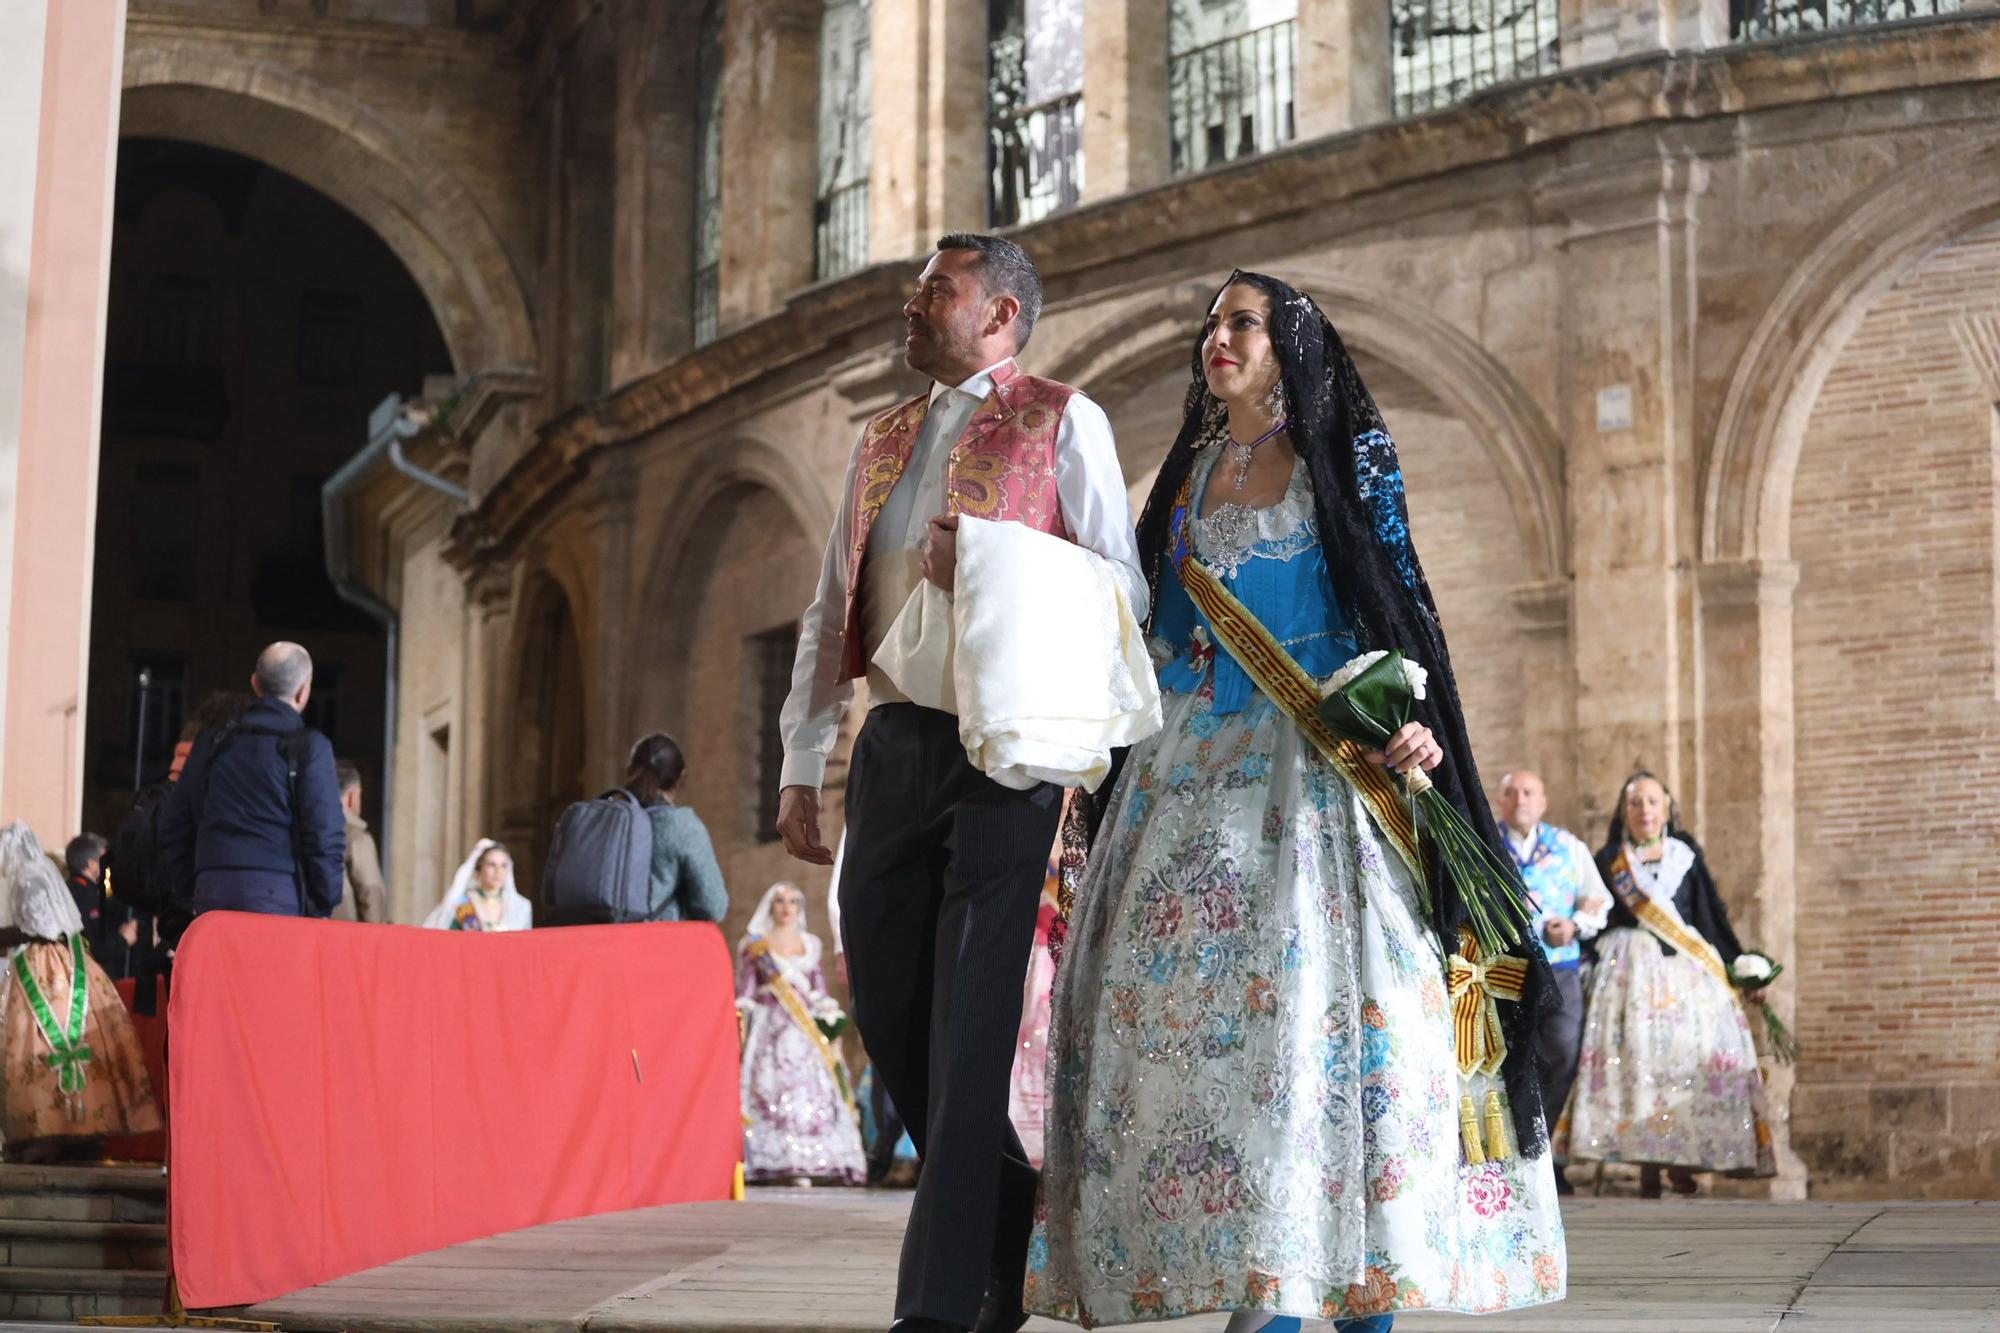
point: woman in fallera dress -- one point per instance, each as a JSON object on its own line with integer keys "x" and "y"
{"x": 1256, "y": 1093}
{"x": 1668, "y": 1074}
{"x": 799, "y": 1122}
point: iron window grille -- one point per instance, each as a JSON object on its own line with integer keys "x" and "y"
{"x": 708, "y": 175}
{"x": 1754, "y": 20}
{"x": 1443, "y": 51}
{"x": 1234, "y": 98}
{"x": 840, "y": 214}
{"x": 1034, "y": 101}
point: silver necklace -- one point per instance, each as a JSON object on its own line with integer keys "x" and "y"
{"x": 1246, "y": 452}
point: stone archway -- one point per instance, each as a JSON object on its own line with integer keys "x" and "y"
{"x": 686, "y": 549}
{"x": 1485, "y": 482}
{"x": 1747, "y": 488}
{"x": 345, "y": 150}
{"x": 1137, "y": 345}
{"x": 733, "y": 569}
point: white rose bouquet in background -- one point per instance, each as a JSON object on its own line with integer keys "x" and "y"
{"x": 830, "y": 1017}
{"x": 1753, "y": 971}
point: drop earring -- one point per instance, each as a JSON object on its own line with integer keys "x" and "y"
{"x": 1274, "y": 402}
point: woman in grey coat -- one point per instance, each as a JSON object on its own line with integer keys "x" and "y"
{"x": 686, "y": 882}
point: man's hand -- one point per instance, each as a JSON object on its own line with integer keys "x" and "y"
{"x": 941, "y": 551}
{"x": 129, "y": 932}
{"x": 1559, "y": 930}
{"x": 798, "y": 825}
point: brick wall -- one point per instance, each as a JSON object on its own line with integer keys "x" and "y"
{"x": 1898, "y": 803}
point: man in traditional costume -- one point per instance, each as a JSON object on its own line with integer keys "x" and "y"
{"x": 1571, "y": 905}
{"x": 943, "y": 865}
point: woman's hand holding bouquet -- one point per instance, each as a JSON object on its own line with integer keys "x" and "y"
{"x": 1370, "y": 702}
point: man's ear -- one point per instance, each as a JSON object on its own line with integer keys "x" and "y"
{"x": 1004, "y": 311}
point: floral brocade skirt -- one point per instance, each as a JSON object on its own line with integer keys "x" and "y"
{"x": 117, "y": 1097}
{"x": 796, "y": 1122}
{"x": 1668, "y": 1073}
{"x": 1254, "y": 1097}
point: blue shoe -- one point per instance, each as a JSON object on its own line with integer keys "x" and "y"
{"x": 1284, "y": 1323}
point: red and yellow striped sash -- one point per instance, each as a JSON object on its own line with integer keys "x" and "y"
{"x": 1291, "y": 687}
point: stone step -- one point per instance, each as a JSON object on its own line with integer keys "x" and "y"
{"x": 44, "y": 1243}
{"x": 78, "y": 1293}
{"x": 83, "y": 1193}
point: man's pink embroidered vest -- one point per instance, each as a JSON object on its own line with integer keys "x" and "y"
{"x": 1002, "y": 467}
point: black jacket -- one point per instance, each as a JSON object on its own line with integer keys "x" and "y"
{"x": 232, "y": 810}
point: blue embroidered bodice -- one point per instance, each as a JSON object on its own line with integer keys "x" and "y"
{"x": 1271, "y": 559}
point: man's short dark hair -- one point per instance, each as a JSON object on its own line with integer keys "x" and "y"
{"x": 348, "y": 775}
{"x": 82, "y": 850}
{"x": 1004, "y": 267}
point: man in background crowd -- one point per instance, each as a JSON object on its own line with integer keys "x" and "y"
{"x": 366, "y": 897}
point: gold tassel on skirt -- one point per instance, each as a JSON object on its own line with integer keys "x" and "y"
{"x": 1468, "y": 1130}
{"x": 1496, "y": 1129}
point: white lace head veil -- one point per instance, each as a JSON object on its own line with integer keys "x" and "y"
{"x": 760, "y": 920}
{"x": 32, "y": 896}
{"x": 462, "y": 881}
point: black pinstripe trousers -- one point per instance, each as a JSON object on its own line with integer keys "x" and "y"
{"x": 938, "y": 894}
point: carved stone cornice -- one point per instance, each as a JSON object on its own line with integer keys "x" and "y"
{"x": 1594, "y": 201}
{"x": 872, "y": 381}
{"x": 1541, "y": 609}
{"x": 1738, "y": 583}
{"x": 1085, "y": 249}
{"x": 485, "y": 395}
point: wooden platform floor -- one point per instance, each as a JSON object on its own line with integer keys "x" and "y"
{"x": 824, "y": 1261}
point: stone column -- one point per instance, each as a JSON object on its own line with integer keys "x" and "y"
{"x": 488, "y": 604}
{"x": 1125, "y": 132}
{"x": 610, "y": 519}
{"x": 652, "y": 290}
{"x": 927, "y": 124}
{"x": 770, "y": 104}
{"x": 1548, "y": 721}
{"x": 1625, "y": 392}
{"x": 1746, "y": 817}
{"x": 1594, "y": 31}
{"x": 60, "y": 68}
{"x": 1343, "y": 65}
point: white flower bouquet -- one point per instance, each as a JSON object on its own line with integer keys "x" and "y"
{"x": 830, "y": 1018}
{"x": 1369, "y": 700}
{"x": 1753, "y": 971}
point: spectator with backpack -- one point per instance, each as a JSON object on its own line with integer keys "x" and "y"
{"x": 255, "y": 824}
{"x": 634, "y": 853}
{"x": 686, "y": 883}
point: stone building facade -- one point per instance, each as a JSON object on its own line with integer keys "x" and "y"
{"x": 1688, "y": 328}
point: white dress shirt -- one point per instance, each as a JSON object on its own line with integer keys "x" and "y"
{"x": 1089, "y": 483}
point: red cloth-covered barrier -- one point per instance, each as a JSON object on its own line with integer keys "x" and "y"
{"x": 345, "y": 1095}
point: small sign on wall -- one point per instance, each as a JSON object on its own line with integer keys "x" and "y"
{"x": 1614, "y": 407}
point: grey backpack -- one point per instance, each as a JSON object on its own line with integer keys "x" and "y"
{"x": 600, "y": 866}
